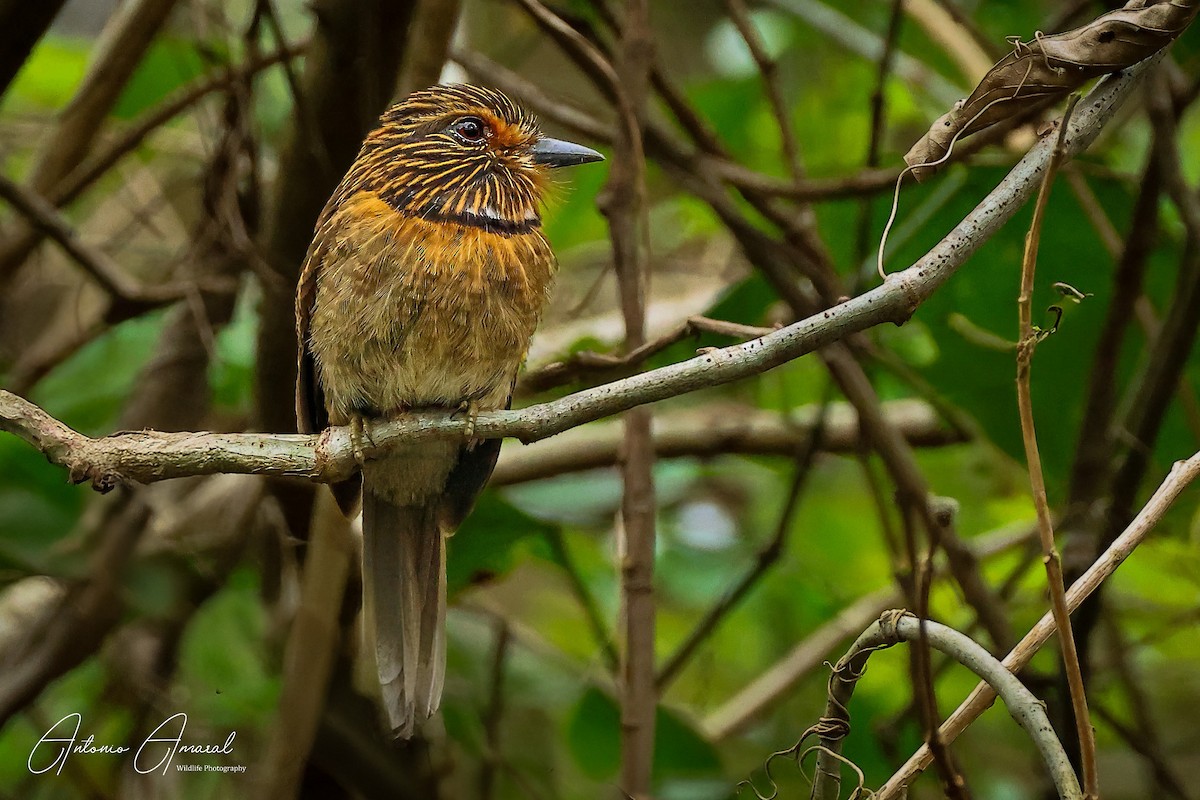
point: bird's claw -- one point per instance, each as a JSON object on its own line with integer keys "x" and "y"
{"x": 470, "y": 409}
{"x": 358, "y": 434}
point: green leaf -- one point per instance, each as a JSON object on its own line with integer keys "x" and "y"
{"x": 49, "y": 77}
{"x": 231, "y": 373}
{"x": 38, "y": 507}
{"x": 88, "y": 391}
{"x": 167, "y": 65}
{"x": 224, "y": 672}
{"x": 593, "y": 736}
{"x": 486, "y": 544}
{"x": 746, "y": 302}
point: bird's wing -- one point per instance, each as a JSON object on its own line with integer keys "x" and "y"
{"x": 367, "y": 230}
{"x": 311, "y": 416}
{"x": 475, "y": 464}
{"x": 467, "y": 479}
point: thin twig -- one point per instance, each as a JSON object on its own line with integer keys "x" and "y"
{"x": 623, "y": 203}
{"x": 579, "y": 587}
{"x": 880, "y": 501}
{"x": 768, "y": 70}
{"x": 856, "y": 39}
{"x": 913, "y": 492}
{"x": 878, "y": 124}
{"x": 1159, "y": 379}
{"x": 270, "y": 15}
{"x": 118, "y": 52}
{"x": 809, "y": 190}
{"x": 1054, "y": 574}
{"x": 494, "y": 713}
{"x": 310, "y": 651}
{"x": 599, "y": 69}
{"x": 718, "y": 429}
{"x": 1093, "y": 453}
{"x": 887, "y": 60}
{"x": 98, "y": 162}
{"x": 954, "y": 783}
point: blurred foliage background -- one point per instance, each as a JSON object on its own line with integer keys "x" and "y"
{"x": 131, "y": 607}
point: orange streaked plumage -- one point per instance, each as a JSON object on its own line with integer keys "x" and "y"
{"x": 422, "y": 287}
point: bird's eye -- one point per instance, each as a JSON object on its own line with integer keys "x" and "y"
{"x": 469, "y": 129}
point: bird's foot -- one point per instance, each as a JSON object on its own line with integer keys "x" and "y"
{"x": 470, "y": 409}
{"x": 359, "y": 435}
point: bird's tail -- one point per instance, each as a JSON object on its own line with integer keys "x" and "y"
{"x": 404, "y": 594}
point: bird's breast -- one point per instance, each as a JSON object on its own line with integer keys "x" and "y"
{"x": 412, "y": 312}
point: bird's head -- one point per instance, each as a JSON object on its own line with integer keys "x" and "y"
{"x": 465, "y": 154}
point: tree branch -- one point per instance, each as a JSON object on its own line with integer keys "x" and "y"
{"x": 623, "y": 203}
{"x": 1029, "y": 339}
{"x": 720, "y": 429}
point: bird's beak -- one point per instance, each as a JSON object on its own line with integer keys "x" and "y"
{"x": 557, "y": 153}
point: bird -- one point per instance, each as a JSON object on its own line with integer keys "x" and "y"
{"x": 426, "y": 277}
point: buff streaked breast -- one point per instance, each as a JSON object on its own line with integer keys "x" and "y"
{"x": 413, "y": 313}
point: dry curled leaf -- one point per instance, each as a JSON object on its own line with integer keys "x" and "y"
{"x": 1042, "y": 71}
